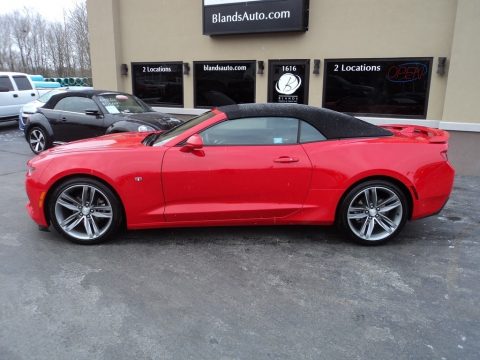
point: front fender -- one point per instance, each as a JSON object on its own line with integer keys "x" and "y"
{"x": 131, "y": 178}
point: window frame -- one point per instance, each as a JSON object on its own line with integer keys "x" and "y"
{"x": 288, "y": 62}
{"x": 297, "y": 141}
{"x": 159, "y": 63}
{"x": 400, "y": 59}
{"x": 15, "y": 77}
{"x": 73, "y": 97}
{"x": 11, "y": 87}
{"x": 208, "y": 62}
{"x": 300, "y": 133}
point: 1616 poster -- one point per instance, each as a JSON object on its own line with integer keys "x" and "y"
{"x": 288, "y": 81}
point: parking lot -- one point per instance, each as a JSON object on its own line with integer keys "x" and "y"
{"x": 237, "y": 293}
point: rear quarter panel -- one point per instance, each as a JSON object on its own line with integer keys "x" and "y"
{"x": 340, "y": 164}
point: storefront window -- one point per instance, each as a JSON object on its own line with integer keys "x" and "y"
{"x": 288, "y": 81}
{"x": 159, "y": 83}
{"x": 396, "y": 87}
{"x": 224, "y": 83}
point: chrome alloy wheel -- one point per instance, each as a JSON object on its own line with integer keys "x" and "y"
{"x": 375, "y": 213}
{"x": 83, "y": 211}
{"x": 37, "y": 140}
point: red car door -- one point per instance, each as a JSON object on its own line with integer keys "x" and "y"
{"x": 235, "y": 182}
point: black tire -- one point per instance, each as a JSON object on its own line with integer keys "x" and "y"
{"x": 85, "y": 211}
{"x": 373, "y": 212}
{"x": 38, "y": 139}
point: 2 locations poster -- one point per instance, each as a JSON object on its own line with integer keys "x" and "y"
{"x": 390, "y": 87}
{"x": 254, "y": 16}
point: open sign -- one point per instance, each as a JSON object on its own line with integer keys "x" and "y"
{"x": 407, "y": 72}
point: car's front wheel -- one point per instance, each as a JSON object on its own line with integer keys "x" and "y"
{"x": 373, "y": 212}
{"x": 38, "y": 139}
{"x": 85, "y": 211}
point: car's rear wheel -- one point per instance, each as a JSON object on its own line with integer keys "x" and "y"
{"x": 373, "y": 212}
{"x": 85, "y": 211}
{"x": 38, "y": 139}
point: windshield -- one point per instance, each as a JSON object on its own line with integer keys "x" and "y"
{"x": 45, "y": 97}
{"x": 167, "y": 136}
{"x": 123, "y": 104}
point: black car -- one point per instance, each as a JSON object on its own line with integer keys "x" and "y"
{"x": 78, "y": 115}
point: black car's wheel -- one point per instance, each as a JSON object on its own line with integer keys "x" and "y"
{"x": 373, "y": 212}
{"x": 38, "y": 139}
{"x": 85, "y": 211}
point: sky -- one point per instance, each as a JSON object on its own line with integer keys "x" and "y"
{"x": 51, "y": 10}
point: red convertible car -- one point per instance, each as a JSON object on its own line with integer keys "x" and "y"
{"x": 251, "y": 164}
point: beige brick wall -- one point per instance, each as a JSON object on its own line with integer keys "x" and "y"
{"x": 125, "y": 31}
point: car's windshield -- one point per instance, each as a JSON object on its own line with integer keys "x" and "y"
{"x": 123, "y": 104}
{"x": 45, "y": 97}
{"x": 167, "y": 136}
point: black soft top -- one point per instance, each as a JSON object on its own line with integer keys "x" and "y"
{"x": 332, "y": 124}
{"x": 50, "y": 104}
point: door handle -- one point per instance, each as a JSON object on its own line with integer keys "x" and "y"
{"x": 33, "y": 94}
{"x": 15, "y": 95}
{"x": 63, "y": 119}
{"x": 285, "y": 159}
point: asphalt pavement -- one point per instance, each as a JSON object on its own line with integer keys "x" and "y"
{"x": 237, "y": 293}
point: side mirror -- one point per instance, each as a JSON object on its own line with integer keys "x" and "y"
{"x": 194, "y": 142}
{"x": 92, "y": 112}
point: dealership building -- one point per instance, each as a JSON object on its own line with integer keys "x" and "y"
{"x": 382, "y": 60}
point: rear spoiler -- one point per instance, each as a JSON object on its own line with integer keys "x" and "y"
{"x": 433, "y": 136}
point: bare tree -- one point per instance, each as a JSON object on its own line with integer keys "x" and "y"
{"x": 31, "y": 44}
{"x": 5, "y": 43}
{"x": 78, "y": 25}
{"x": 20, "y": 29}
{"x": 56, "y": 49}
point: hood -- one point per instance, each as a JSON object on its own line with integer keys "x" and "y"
{"x": 32, "y": 107}
{"x": 118, "y": 141}
{"x": 156, "y": 120}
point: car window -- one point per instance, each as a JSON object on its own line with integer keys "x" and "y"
{"x": 22, "y": 82}
{"x": 76, "y": 104}
{"x": 6, "y": 83}
{"x": 309, "y": 134}
{"x": 253, "y": 131}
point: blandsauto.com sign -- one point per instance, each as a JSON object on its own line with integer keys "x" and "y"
{"x": 254, "y": 16}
